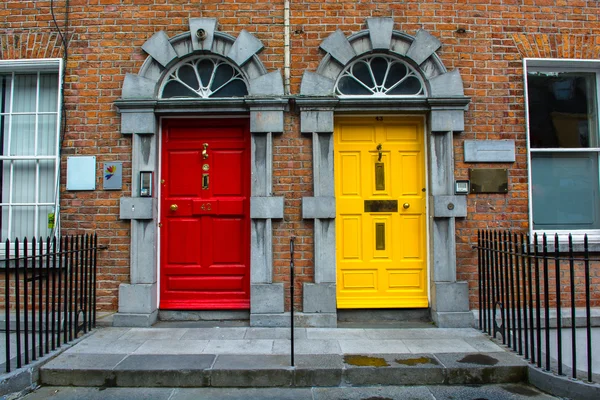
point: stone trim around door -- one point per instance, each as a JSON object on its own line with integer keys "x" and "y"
{"x": 141, "y": 108}
{"x": 444, "y": 104}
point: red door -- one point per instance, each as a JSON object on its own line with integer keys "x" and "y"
{"x": 205, "y": 207}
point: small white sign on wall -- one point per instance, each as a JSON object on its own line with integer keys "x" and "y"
{"x": 81, "y": 173}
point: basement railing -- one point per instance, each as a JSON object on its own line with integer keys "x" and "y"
{"x": 536, "y": 294}
{"x": 49, "y": 295}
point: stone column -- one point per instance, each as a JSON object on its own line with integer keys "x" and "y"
{"x": 266, "y": 297}
{"x": 449, "y": 298}
{"x": 319, "y": 300}
{"x": 138, "y": 300}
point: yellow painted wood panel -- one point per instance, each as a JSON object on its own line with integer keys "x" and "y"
{"x": 381, "y": 256}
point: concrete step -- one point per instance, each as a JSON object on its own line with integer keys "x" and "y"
{"x": 260, "y": 370}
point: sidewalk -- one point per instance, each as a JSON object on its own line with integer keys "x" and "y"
{"x": 260, "y": 357}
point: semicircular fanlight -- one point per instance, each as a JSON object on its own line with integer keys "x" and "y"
{"x": 379, "y": 75}
{"x": 204, "y": 77}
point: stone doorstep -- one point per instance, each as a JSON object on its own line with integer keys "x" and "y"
{"x": 123, "y": 370}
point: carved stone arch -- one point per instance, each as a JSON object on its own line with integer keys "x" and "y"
{"x": 164, "y": 52}
{"x": 418, "y": 50}
{"x": 443, "y": 104}
{"x": 141, "y": 106}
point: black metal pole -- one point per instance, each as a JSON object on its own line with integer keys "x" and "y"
{"x": 558, "y": 311}
{"x": 494, "y": 282}
{"x": 292, "y": 299}
{"x": 525, "y": 261}
{"x": 18, "y": 302}
{"x": 573, "y": 319}
{"x": 95, "y": 253}
{"x": 33, "y": 279}
{"x": 26, "y": 301}
{"x": 480, "y": 278}
{"x": 7, "y": 302}
{"x": 587, "y": 307}
{"x": 546, "y": 303}
{"x": 518, "y": 266}
{"x": 54, "y": 292}
{"x": 40, "y": 298}
{"x": 512, "y": 262}
{"x": 531, "y": 312}
{"x": 538, "y": 310}
{"x": 60, "y": 292}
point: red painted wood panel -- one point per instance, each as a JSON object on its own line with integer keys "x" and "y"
{"x": 205, "y": 241}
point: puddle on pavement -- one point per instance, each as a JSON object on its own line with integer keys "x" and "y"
{"x": 411, "y": 362}
{"x": 366, "y": 361}
{"x": 480, "y": 359}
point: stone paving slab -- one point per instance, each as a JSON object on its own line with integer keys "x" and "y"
{"x": 258, "y": 346}
{"x": 221, "y": 333}
{"x": 274, "y": 333}
{"x": 489, "y": 392}
{"x": 172, "y": 347}
{"x": 307, "y": 346}
{"x": 318, "y": 370}
{"x": 479, "y": 368}
{"x": 251, "y": 371}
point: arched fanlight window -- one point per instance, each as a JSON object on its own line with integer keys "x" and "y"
{"x": 204, "y": 77}
{"x": 379, "y": 75}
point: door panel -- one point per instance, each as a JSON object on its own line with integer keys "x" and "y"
{"x": 205, "y": 234}
{"x": 380, "y": 213}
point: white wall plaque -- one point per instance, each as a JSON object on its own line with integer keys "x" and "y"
{"x": 81, "y": 173}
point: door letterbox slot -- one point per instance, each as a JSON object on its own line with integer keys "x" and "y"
{"x": 381, "y": 205}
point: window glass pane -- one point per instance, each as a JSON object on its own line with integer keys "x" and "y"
{"x": 25, "y": 93}
{"x": 233, "y": 88}
{"x": 6, "y": 181}
{"x": 349, "y": 85}
{"x": 379, "y": 67}
{"x": 23, "y": 222}
{"x": 5, "y": 86}
{"x": 47, "y": 181}
{"x": 188, "y": 76}
{"x": 23, "y": 190}
{"x": 361, "y": 71}
{"x": 177, "y": 89}
{"x": 397, "y": 72}
{"x": 410, "y": 85}
{"x": 562, "y": 109}
{"x": 48, "y": 93}
{"x": 565, "y": 191}
{"x": 223, "y": 74}
{"x": 4, "y": 225}
{"x": 46, "y": 145}
{"x": 205, "y": 70}
{"x": 22, "y": 135}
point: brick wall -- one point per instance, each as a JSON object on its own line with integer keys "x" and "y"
{"x": 105, "y": 39}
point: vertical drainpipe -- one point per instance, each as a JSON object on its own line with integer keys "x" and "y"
{"x": 286, "y": 46}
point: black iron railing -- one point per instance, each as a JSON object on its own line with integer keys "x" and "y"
{"x": 49, "y": 295}
{"x": 536, "y": 295}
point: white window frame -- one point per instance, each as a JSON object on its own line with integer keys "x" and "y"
{"x": 559, "y": 65}
{"x": 35, "y": 66}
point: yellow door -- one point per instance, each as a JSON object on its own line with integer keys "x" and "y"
{"x": 380, "y": 213}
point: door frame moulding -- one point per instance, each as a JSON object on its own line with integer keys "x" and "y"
{"x": 443, "y": 105}
{"x": 141, "y": 108}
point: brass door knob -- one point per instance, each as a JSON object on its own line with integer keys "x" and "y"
{"x": 174, "y": 207}
{"x": 406, "y": 205}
